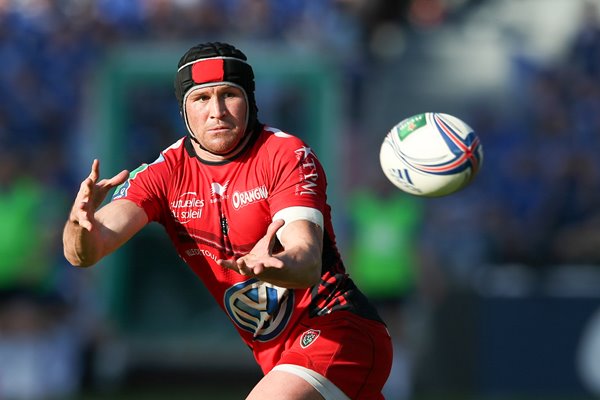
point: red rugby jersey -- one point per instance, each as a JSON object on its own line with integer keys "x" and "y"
{"x": 214, "y": 210}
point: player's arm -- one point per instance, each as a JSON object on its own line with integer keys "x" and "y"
{"x": 297, "y": 265}
{"x": 301, "y": 258}
{"x": 90, "y": 234}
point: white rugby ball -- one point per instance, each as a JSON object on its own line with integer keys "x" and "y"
{"x": 431, "y": 154}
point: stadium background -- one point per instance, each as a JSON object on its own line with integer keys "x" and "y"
{"x": 505, "y": 296}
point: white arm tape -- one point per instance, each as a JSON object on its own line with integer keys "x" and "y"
{"x": 291, "y": 214}
{"x": 324, "y": 386}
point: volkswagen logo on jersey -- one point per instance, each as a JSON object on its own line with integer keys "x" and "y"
{"x": 259, "y": 307}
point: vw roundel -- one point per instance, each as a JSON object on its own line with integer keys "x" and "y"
{"x": 259, "y": 307}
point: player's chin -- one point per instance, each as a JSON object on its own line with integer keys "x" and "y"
{"x": 222, "y": 146}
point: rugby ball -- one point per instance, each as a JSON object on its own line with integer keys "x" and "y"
{"x": 431, "y": 154}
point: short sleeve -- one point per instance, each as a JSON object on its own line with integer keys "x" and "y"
{"x": 297, "y": 175}
{"x": 146, "y": 187}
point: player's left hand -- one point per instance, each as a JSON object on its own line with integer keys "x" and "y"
{"x": 260, "y": 257}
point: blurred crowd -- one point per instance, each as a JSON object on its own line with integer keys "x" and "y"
{"x": 534, "y": 203}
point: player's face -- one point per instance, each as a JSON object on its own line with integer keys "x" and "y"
{"x": 217, "y": 117}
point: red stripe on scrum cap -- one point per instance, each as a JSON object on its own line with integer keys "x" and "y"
{"x": 210, "y": 70}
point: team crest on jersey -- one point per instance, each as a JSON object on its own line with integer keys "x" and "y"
{"x": 259, "y": 307}
{"x": 309, "y": 337}
{"x": 218, "y": 191}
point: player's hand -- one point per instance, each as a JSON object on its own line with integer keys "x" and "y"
{"x": 260, "y": 257}
{"x": 91, "y": 194}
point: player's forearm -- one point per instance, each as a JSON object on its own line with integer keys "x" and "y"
{"x": 301, "y": 269}
{"x": 81, "y": 247}
{"x": 300, "y": 257}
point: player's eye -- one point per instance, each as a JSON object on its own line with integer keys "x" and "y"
{"x": 200, "y": 96}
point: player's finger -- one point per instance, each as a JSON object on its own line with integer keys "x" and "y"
{"x": 234, "y": 266}
{"x": 85, "y": 224}
{"x": 95, "y": 172}
{"x": 229, "y": 264}
{"x": 274, "y": 227}
{"x": 242, "y": 268}
{"x": 271, "y": 231}
{"x": 85, "y": 189}
{"x": 107, "y": 184}
{"x": 119, "y": 178}
{"x": 83, "y": 216}
{"x": 266, "y": 243}
{"x": 258, "y": 269}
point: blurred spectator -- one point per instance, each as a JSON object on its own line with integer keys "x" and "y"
{"x": 585, "y": 48}
{"x": 39, "y": 353}
{"x": 384, "y": 262}
{"x": 576, "y": 216}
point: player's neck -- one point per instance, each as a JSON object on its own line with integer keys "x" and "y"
{"x": 212, "y": 157}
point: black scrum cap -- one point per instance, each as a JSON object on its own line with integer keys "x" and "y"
{"x": 215, "y": 62}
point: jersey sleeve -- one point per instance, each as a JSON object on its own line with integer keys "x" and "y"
{"x": 146, "y": 187}
{"x": 299, "y": 182}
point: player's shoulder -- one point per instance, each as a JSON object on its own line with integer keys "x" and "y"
{"x": 275, "y": 139}
{"x": 167, "y": 160}
{"x": 172, "y": 155}
{"x": 175, "y": 150}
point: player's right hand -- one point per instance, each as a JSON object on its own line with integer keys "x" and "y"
{"x": 91, "y": 194}
{"x": 260, "y": 258}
